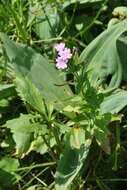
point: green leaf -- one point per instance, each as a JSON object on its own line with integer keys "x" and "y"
{"x": 26, "y": 123}
{"x": 76, "y": 150}
{"x": 29, "y": 65}
{"x": 121, "y": 45}
{"x": 47, "y": 26}
{"x": 29, "y": 93}
{"x": 23, "y": 129}
{"x": 23, "y": 142}
{"x": 115, "y": 102}
{"x": 28, "y": 134}
{"x": 40, "y": 146}
{"x": 47, "y": 20}
{"x": 103, "y": 53}
{"x": 9, "y": 164}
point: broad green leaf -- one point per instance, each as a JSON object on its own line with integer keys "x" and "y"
{"x": 9, "y": 164}
{"x": 29, "y": 93}
{"x": 121, "y": 45}
{"x": 28, "y": 135}
{"x": 103, "y": 60}
{"x": 62, "y": 128}
{"x": 40, "y": 146}
{"x": 47, "y": 27}
{"x": 115, "y": 102}
{"x": 47, "y": 20}
{"x": 76, "y": 150}
{"x": 23, "y": 129}
{"x": 26, "y": 123}
{"x": 113, "y": 21}
{"x": 30, "y": 65}
{"x": 23, "y": 142}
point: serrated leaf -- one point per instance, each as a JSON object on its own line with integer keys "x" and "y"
{"x": 25, "y": 123}
{"x": 30, "y": 65}
{"x": 23, "y": 131}
{"x": 27, "y": 134}
{"x": 40, "y": 146}
{"x": 29, "y": 93}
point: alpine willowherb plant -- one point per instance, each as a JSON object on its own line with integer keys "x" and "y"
{"x": 63, "y": 125}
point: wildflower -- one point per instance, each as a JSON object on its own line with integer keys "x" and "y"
{"x": 59, "y": 47}
{"x": 60, "y": 63}
{"x": 64, "y": 54}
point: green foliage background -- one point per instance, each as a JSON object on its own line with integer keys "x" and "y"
{"x": 63, "y": 129}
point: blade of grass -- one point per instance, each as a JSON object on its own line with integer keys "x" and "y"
{"x": 35, "y": 166}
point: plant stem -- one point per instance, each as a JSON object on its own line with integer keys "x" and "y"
{"x": 56, "y": 135}
{"x": 115, "y": 167}
{"x": 50, "y": 150}
{"x": 35, "y": 166}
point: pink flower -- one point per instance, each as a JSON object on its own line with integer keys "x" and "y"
{"x": 64, "y": 54}
{"x": 60, "y": 63}
{"x": 60, "y": 46}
